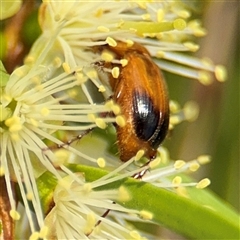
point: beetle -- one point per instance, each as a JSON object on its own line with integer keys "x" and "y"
{"x": 141, "y": 93}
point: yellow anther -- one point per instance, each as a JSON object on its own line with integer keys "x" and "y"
{"x": 139, "y": 155}
{"x": 115, "y": 72}
{"x": 177, "y": 181}
{"x": 101, "y": 162}
{"x": 155, "y": 163}
{"x": 120, "y": 120}
{"x": 100, "y": 123}
{"x": 160, "y": 15}
{"x": 124, "y": 62}
{"x": 14, "y": 215}
{"x": 220, "y": 73}
{"x": 191, "y": 46}
{"x": 111, "y": 42}
{"x": 194, "y": 167}
{"x": 45, "y": 111}
{"x": 146, "y": 215}
{"x": 204, "y": 159}
{"x": 204, "y": 78}
{"x": 107, "y": 56}
{"x": 174, "y": 106}
{"x": 179, "y": 164}
{"x": 101, "y": 88}
{"x": 123, "y": 194}
{"x": 203, "y": 183}
{"x": 66, "y": 68}
{"x": 103, "y": 29}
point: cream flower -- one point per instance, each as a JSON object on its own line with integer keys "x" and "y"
{"x": 30, "y": 114}
{"x": 84, "y": 210}
{"x": 162, "y": 28}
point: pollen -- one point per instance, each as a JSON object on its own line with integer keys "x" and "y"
{"x": 101, "y": 162}
{"x": 36, "y": 80}
{"x": 33, "y": 122}
{"x": 101, "y": 88}
{"x": 61, "y": 156}
{"x": 107, "y": 56}
{"x": 120, "y": 120}
{"x": 155, "y": 163}
{"x": 220, "y": 73}
{"x": 182, "y": 191}
{"x": 14, "y": 215}
{"x": 116, "y": 109}
{"x": 100, "y": 123}
{"x": 160, "y": 15}
{"x": 64, "y": 182}
{"x": 146, "y": 16}
{"x": 115, "y": 72}
{"x": 6, "y": 98}
{"x": 81, "y": 78}
{"x": 124, "y": 62}
{"x": 91, "y": 117}
{"x": 191, "y": 111}
{"x": 160, "y": 54}
{"x": 99, "y": 13}
{"x": 90, "y": 223}
{"x": 66, "y": 68}
{"x": 29, "y": 60}
{"x": 20, "y": 72}
{"x": 123, "y": 194}
{"x": 87, "y": 187}
{"x": 45, "y": 111}
{"x": 57, "y": 62}
{"x": 135, "y": 235}
{"x": 200, "y": 32}
{"x": 146, "y": 215}
{"x": 72, "y": 93}
{"x": 34, "y": 236}
{"x": 204, "y": 159}
{"x": 139, "y": 155}
{"x": 179, "y": 164}
{"x": 142, "y": 5}
{"x": 30, "y": 196}
{"x": 14, "y": 124}
{"x": 203, "y": 183}
{"x": 176, "y": 181}
{"x": 111, "y": 42}
{"x": 129, "y": 43}
{"x": 43, "y": 232}
{"x": 15, "y": 137}
{"x": 184, "y": 13}
{"x": 204, "y": 78}
{"x": 2, "y": 171}
{"x": 174, "y": 106}
{"x": 191, "y": 46}
{"x": 164, "y": 155}
{"x": 194, "y": 167}
{"x": 174, "y": 120}
{"x": 103, "y": 29}
{"x": 109, "y": 104}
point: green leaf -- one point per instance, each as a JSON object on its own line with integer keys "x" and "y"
{"x": 201, "y": 216}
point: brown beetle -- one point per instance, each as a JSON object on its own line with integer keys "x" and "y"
{"x": 141, "y": 93}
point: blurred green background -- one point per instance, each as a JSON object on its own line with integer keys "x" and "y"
{"x": 216, "y": 131}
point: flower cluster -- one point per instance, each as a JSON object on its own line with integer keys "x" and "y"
{"x": 60, "y": 90}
